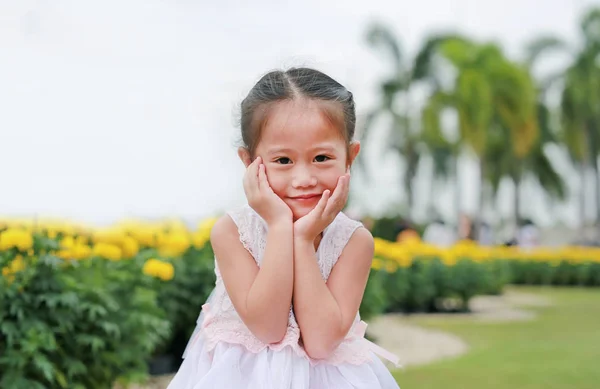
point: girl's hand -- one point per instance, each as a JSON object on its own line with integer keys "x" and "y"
{"x": 261, "y": 197}
{"x": 307, "y": 228}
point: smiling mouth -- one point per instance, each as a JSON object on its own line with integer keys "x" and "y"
{"x": 306, "y": 197}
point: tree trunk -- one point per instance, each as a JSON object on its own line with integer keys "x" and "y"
{"x": 478, "y": 218}
{"x": 586, "y": 164}
{"x": 582, "y": 169}
{"x": 517, "y": 200}
{"x": 457, "y": 191}
{"x": 412, "y": 161}
{"x": 597, "y": 180}
{"x": 409, "y": 192}
{"x": 434, "y": 184}
{"x": 593, "y": 150}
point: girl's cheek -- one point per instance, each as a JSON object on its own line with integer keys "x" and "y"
{"x": 276, "y": 181}
{"x": 332, "y": 178}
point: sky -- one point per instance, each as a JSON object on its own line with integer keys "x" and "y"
{"x": 120, "y": 109}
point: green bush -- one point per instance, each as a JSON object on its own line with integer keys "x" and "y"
{"x": 467, "y": 279}
{"x": 427, "y": 285}
{"x": 375, "y": 297}
{"x": 563, "y": 273}
{"x": 182, "y": 297}
{"x": 497, "y": 274}
{"x": 83, "y": 324}
{"x": 397, "y": 289}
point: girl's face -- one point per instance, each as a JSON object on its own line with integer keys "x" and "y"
{"x": 304, "y": 153}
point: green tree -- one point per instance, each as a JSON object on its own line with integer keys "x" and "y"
{"x": 494, "y": 98}
{"x": 395, "y": 105}
{"x": 580, "y": 100}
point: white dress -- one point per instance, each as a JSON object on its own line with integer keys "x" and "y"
{"x": 222, "y": 352}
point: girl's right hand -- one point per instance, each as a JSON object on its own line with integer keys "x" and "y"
{"x": 261, "y": 197}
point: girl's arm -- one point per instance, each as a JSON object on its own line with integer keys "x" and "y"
{"x": 325, "y": 311}
{"x": 261, "y": 296}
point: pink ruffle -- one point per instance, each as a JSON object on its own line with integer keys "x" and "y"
{"x": 355, "y": 349}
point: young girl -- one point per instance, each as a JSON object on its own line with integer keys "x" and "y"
{"x": 291, "y": 268}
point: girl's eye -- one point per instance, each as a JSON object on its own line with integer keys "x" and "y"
{"x": 283, "y": 160}
{"x": 321, "y": 158}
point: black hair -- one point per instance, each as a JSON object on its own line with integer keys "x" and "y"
{"x": 296, "y": 83}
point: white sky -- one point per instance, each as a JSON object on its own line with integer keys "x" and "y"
{"x": 126, "y": 108}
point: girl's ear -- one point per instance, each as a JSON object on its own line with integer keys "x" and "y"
{"x": 244, "y": 155}
{"x": 353, "y": 151}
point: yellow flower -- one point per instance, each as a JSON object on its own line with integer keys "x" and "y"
{"x": 108, "y": 251}
{"x": 207, "y": 224}
{"x": 67, "y": 242}
{"x": 16, "y": 237}
{"x": 448, "y": 258}
{"x": 159, "y": 269}
{"x": 74, "y": 249}
{"x": 202, "y": 235}
{"x": 145, "y": 235}
{"x": 377, "y": 263}
{"x": 112, "y": 236}
{"x": 81, "y": 251}
{"x": 390, "y": 267}
{"x": 130, "y": 247}
{"x": 15, "y": 266}
{"x": 174, "y": 244}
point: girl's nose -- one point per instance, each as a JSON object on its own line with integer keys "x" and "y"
{"x": 303, "y": 178}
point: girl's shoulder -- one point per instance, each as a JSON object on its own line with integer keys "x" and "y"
{"x": 335, "y": 238}
{"x": 249, "y": 227}
{"x": 343, "y": 226}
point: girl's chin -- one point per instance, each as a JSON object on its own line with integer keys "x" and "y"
{"x": 300, "y": 213}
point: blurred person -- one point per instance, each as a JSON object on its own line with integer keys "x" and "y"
{"x": 291, "y": 267}
{"x": 528, "y": 235}
{"x": 485, "y": 235}
{"x": 404, "y": 231}
{"x": 465, "y": 228}
{"x": 368, "y": 222}
{"x": 439, "y": 233}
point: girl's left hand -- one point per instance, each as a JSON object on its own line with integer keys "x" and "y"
{"x": 310, "y": 226}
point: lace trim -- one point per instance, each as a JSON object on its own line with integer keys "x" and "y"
{"x": 230, "y": 329}
{"x": 251, "y": 230}
{"x": 222, "y": 323}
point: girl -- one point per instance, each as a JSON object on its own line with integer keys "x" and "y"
{"x": 291, "y": 268}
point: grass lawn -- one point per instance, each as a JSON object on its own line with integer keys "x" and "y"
{"x": 560, "y": 348}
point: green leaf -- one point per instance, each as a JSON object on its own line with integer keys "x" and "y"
{"x": 43, "y": 365}
{"x": 60, "y": 379}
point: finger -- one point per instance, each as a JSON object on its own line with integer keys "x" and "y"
{"x": 251, "y": 170}
{"x": 251, "y": 178}
{"x": 253, "y": 167}
{"x": 338, "y": 197}
{"x": 263, "y": 183}
{"x": 322, "y": 204}
{"x": 346, "y": 188}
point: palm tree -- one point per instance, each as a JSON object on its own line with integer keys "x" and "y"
{"x": 580, "y": 101}
{"x": 494, "y": 98}
{"x": 536, "y": 165}
{"x": 444, "y": 152}
{"x": 404, "y": 139}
